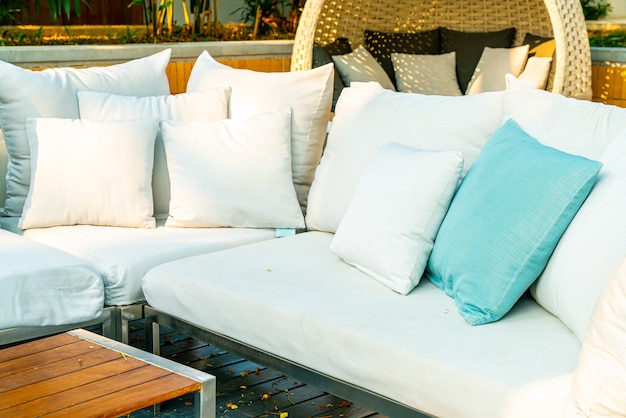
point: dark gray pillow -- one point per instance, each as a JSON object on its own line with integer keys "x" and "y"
{"x": 322, "y": 55}
{"x": 382, "y": 44}
{"x": 469, "y": 47}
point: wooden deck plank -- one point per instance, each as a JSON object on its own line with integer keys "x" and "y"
{"x": 29, "y": 377}
{"x": 35, "y": 347}
{"x": 57, "y": 353}
{"x": 83, "y": 393}
{"x": 77, "y": 379}
{"x": 130, "y": 399}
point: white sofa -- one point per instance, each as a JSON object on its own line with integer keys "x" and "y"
{"x": 306, "y": 310}
{"x": 374, "y": 300}
{"x": 124, "y": 243}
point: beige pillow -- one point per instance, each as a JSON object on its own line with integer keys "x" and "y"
{"x": 232, "y": 173}
{"x": 426, "y": 74}
{"x": 200, "y": 106}
{"x": 90, "y": 172}
{"x": 51, "y": 93}
{"x": 494, "y": 64}
{"x": 309, "y": 94}
{"x": 361, "y": 66}
{"x": 536, "y": 72}
{"x": 599, "y": 382}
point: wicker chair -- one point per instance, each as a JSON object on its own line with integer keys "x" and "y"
{"x": 323, "y": 21}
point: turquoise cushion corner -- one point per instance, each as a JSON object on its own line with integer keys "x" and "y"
{"x": 505, "y": 221}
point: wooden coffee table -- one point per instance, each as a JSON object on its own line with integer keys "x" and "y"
{"x": 83, "y": 374}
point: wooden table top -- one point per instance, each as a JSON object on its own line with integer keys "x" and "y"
{"x": 68, "y": 375}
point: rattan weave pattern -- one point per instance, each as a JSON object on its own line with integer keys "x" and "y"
{"x": 323, "y": 21}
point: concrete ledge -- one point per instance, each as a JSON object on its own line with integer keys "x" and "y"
{"x": 608, "y": 56}
{"x": 77, "y": 55}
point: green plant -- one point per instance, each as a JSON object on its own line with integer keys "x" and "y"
{"x": 270, "y": 16}
{"x": 595, "y": 9}
{"x": 9, "y": 11}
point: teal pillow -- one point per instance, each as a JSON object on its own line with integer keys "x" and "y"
{"x": 507, "y": 216}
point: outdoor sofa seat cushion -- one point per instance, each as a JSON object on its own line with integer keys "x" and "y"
{"x": 45, "y": 286}
{"x": 123, "y": 255}
{"x": 293, "y": 297}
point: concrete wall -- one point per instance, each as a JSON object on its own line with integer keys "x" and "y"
{"x": 619, "y": 9}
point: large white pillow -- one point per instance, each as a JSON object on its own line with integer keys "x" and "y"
{"x": 201, "y": 106}
{"x": 88, "y": 172}
{"x": 360, "y": 66}
{"x": 309, "y": 94}
{"x": 232, "y": 173}
{"x": 426, "y": 74}
{"x": 574, "y": 126}
{"x": 368, "y": 116}
{"x": 390, "y": 226}
{"x": 52, "y": 93}
{"x": 591, "y": 248}
{"x": 494, "y": 65}
{"x": 599, "y": 382}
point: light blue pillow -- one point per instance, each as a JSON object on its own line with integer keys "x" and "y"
{"x": 505, "y": 220}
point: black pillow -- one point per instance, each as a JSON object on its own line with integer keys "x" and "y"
{"x": 323, "y": 55}
{"x": 469, "y": 47}
{"x": 382, "y": 44}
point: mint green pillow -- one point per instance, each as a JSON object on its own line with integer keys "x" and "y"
{"x": 505, "y": 220}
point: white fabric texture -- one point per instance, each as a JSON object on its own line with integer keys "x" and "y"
{"x": 402, "y": 197}
{"x": 232, "y": 173}
{"x": 599, "y": 383}
{"x": 591, "y": 248}
{"x": 44, "y": 286}
{"x": 52, "y": 93}
{"x": 4, "y": 160}
{"x": 309, "y": 94}
{"x": 536, "y": 72}
{"x": 122, "y": 256}
{"x": 434, "y": 123}
{"x": 494, "y": 64}
{"x": 360, "y": 66}
{"x": 90, "y": 172}
{"x": 579, "y": 127}
{"x": 199, "y": 106}
{"x": 416, "y": 349}
{"x": 426, "y": 74}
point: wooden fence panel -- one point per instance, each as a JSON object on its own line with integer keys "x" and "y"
{"x": 100, "y": 12}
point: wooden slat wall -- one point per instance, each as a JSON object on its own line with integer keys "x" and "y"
{"x": 178, "y": 72}
{"x": 609, "y": 84}
{"x": 99, "y": 12}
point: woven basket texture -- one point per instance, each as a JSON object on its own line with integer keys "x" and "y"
{"x": 323, "y": 21}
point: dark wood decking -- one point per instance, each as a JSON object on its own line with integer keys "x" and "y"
{"x": 244, "y": 389}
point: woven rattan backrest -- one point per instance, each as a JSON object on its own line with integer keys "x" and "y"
{"x": 323, "y": 21}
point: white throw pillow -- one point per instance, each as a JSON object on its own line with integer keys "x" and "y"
{"x": 52, "y": 93}
{"x": 232, "y": 173}
{"x": 574, "y": 126}
{"x": 360, "y": 66}
{"x": 591, "y": 248}
{"x": 599, "y": 382}
{"x": 88, "y": 172}
{"x": 390, "y": 226}
{"x": 536, "y": 72}
{"x": 426, "y": 74}
{"x": 199, "y": 106}
{"x": 493, "y": 65}
{"x": 368, "y": 116}
{"x": 309, "y": 94}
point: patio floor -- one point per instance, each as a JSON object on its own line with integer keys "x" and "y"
{"x": 244, "y": 389}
